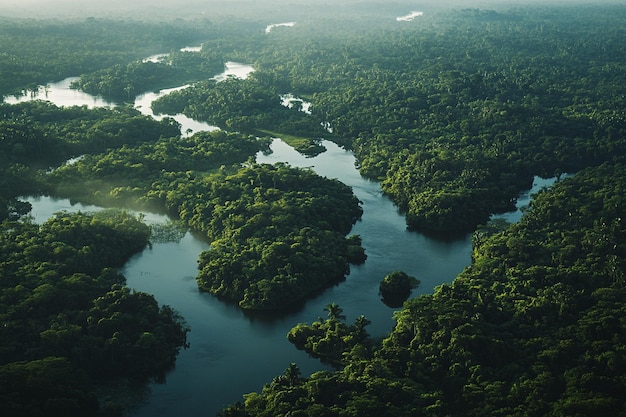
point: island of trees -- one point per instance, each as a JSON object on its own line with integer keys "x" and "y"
{"x": 534, "y": 327}
{"x": 395, "y": 288}
{"x": 454, "y": 116}
{"x": 68, "y": 322}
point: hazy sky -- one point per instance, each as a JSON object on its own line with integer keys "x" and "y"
{"x": 164, "y": 9}
{"x": 113, "y": 8}
{"x": 259, "y": 9}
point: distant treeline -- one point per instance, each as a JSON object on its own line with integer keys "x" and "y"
{"x": 36, "y": 52}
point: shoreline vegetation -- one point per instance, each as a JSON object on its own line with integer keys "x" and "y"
{"x": 69, "y": 325}
{"x": 453, "y": 113}
{"x": 540, "y": 307}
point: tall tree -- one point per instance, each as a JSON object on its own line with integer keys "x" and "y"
{"x": 334, "y": 312}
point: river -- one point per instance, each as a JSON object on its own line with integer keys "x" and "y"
{"x": 409, "y": 17}
{"x": 232, "y": 352}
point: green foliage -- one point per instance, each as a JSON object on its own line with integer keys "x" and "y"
{"x": 42, "y": 135}
{"x": 396, "y": 287}
{"x": 141, "y": 176}
{"x": 305, "y": 145}
{"x": 534, "y": 327}
{"x": 456, "y": 113}
{"x": 278, "y": 233}
{"x": 67, "y": 321}
{"x": 302, "y": 249}
{"x": 38, "y": 135}
{"x": 124, "y": 81}
{"x": 33, "y": 53}
{"x": 332, "y": 340}
{"x": 356, "y": 253}
{"x": 454, "y": 116}
{"x": 45, "y": 387}
{"x": 247, "y": 106}
{"x": 138, "y": 337}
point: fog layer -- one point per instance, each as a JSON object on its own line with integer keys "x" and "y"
{"x": 245, "y": 9}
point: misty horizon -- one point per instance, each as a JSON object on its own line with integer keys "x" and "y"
{"x": 245, "y": 9}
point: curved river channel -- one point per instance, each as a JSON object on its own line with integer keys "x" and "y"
{"x": 231, "y": 352}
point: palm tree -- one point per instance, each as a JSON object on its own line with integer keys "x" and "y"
{"x": 359, "y": 327}
{"x": 292, "y": 374}
{"x": 334, "y": 312}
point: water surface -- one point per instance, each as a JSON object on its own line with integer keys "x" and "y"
{"x": 61, "y": 94}
{"x": 269, "y": 28}
{"x": 409, "y": 17}
{"x": 232, "y": 352}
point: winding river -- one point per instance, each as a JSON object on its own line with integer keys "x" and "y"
{"x": 232, "y": 352}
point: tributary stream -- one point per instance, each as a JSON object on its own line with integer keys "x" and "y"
{"x": 232, "y": 352}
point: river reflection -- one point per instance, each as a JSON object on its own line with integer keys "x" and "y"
{"x": 409, "y": 17}
{"x": 61, "y": 94}
{"x": 189, "y": 126}
{"x": 234, "y": 69}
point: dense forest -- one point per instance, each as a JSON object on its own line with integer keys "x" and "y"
{"x": 124, "y": 82}
{"x": 68, "y": 322}
{"x": 38, "y": 135}
{"x": 278, "y": 233}
{"x": 454, "y": 114}
{"x": 37, "y": 52}
{"x": 535, "y": 327}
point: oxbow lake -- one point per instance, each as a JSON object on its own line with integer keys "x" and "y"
{"x": 231, "y": 352}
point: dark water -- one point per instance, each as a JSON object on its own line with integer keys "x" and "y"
{"x": 232, "y": 352}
